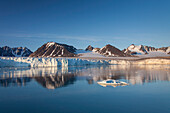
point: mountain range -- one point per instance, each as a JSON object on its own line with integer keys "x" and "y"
{"x": 53, "y": 49}
{"x": 140, "y": 49}
{"x": 111, "y": 51}
{"x": 15, "y": 52}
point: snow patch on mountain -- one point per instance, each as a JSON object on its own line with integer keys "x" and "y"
{"x": 138, "y": 49}
{"x": 50, "y": 44}
{"x": 53, "y": 49}
{"x": 89, "y": 54}
{"x": 145, "y": 50}
{"x": 168, "y": 50}
{"x": 14, "y": 52}
{"x": 111, "y": 51}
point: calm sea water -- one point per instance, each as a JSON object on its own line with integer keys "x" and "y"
{"x": 75, "y": 89}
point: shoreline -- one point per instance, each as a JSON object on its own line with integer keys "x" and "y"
{"x": 80, "y": 61}
{"x": 116, "y": 58}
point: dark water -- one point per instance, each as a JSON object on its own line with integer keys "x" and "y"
{"x": 75, "y": 90}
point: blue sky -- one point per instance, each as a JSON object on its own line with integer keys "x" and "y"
{"x": 120, "y": 23}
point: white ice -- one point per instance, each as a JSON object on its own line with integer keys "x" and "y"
{"x": 89, "y": 54}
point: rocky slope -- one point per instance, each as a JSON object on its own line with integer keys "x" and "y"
{"x": 15, "y": 52}
{"x": 53, "y": 49}
{"x": 140, "y": 49}
{"x": 110, "y": 50}
{"x": 89, "y": 48}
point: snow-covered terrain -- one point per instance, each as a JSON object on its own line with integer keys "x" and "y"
{"x": 45, "y": 62}
{"x": 154, "y": 54}
{"x": 108, "y": 51}
{"x": 111, "y": 51}
{"x": 138, "y": 50}
{"x": 55, "y": 54}
{"x": 89, "y": 54}
{"x": 65, "y": 62}
{"x": 15, "y": 52}
{"x": 147, "y": 51}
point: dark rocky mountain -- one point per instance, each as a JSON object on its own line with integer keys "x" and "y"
{"x": 53, "y": 49}
{"x": 164, "y": 49}
{"x": 140, "y": 49}
{"x": 110, "y": 50}
{"x": 89, "y": 48}
{"x": 14, "y": 52}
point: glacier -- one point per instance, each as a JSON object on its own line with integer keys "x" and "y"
{"x": 65, "y": 62}
{"x": 47, "y": 61}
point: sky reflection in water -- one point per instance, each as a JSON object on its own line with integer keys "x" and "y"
{"x": 75, "y": 89}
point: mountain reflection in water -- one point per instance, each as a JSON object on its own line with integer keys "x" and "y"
{"x": 54, "y": 77}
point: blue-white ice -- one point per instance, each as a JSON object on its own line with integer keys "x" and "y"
{"x": 45, "y": 62}
{"x": 64, "y": 62}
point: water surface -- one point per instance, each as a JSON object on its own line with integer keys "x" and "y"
{"x": 75, "y": 89}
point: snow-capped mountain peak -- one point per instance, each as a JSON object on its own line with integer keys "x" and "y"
{"x": 110, "y": 50}
{"x": 53, "y": 49}
{"x": 141, "y": 50}
{"x": 15, "y": 52}
{"x": 49, "y": 44}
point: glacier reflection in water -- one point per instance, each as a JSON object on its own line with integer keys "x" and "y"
{"x": 54, "y": 77}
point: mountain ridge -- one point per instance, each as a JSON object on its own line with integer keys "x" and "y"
{"x": 15, "y": 52}
{"x": 141, "y": 49}
{"x": 53, "y": 49}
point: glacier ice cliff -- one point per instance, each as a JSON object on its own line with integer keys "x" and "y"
{"x": 47, "y": 62}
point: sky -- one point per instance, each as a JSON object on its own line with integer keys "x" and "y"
{"x": 31, "y": 23}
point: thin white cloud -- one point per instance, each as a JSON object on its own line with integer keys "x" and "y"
{"x": 54, "y": 36}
